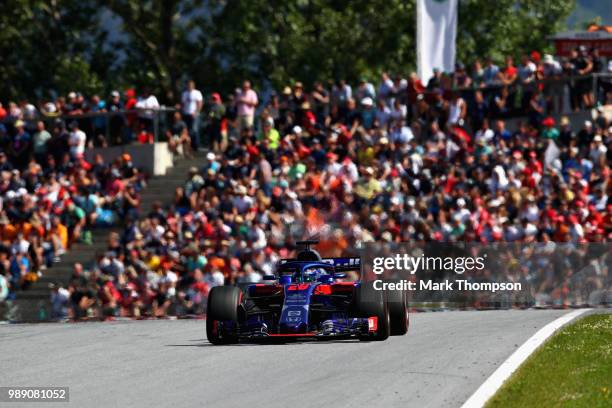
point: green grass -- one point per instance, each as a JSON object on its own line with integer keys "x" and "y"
{"x": 572, "y": 369}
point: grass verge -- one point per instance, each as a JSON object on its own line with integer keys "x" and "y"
{"x": 572, "y": 369}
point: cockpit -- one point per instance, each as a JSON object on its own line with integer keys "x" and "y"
{"x": 304, "y": 273}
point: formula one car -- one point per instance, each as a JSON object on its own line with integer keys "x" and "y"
{"x": 306, "y": 299}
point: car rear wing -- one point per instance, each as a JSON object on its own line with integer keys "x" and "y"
{"x": 344, "y": 264}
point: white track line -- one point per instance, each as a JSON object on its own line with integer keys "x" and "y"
{"x": 505, "y": 370}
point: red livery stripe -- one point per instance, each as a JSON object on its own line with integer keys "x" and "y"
{"x": 301, "y": 286}
{"x": 323, "y": 290}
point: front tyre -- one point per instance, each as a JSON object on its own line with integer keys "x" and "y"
{"x": 222, "y": 306}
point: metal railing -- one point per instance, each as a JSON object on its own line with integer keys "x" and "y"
{"x": 112, "y": 127}
{"x": 560, "y": 95}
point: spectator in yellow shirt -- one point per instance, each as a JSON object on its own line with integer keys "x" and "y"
{"x": 58, "y": 234}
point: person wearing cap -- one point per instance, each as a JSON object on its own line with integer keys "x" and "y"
{"x": 215, "y": 115}
{"x": 71, "y": 107}
{"x": 586, "y": 134}
{"x": 566, "y": 134}
{"x": 117, "y": 120}
{"x": 18, "y": 148}
{"x": 269, "y": 133}
{"x": 191, "y": 106}
{"x": 131, "y": 115}
{"x": 553, "y": 86}
{"x": 598, "y": 150}
{"x": 550, "y": 131}
{"x": 297, "y": 101}
{"x": 242, "y": 201}
{"x": 367, "y": 186}
{"x": 48, "y": 110}
{"x": 194, "y": 181}
{"x": 307, "y": 117}
{"x": 126, "y": 158}
{"x": 368, "y": 113}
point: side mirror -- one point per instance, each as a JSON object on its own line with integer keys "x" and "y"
{"x": 269, "y": 277}
{"x": 285, "y": 280}
{"x": 339, "y": 275}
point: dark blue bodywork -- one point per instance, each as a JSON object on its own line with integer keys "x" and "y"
{"x": 303, "y": 299}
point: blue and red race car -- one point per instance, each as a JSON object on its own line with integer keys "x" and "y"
{"x": 306, "y": 299}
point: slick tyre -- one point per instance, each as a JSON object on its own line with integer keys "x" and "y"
{"x": 397, "y": 302}
{"x": 370, "y": 302}
{"x": 222, "y": 305}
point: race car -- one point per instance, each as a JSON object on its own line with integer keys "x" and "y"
{"x": 307, "y": 298}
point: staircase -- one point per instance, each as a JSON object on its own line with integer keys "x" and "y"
{"x": 34, "y": 305}
{"x": 162, "y": 188}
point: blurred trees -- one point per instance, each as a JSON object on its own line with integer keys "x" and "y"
{"x": 508, "y": 27}
{"x": 95, "y": 45}
{"x": 46, "y": 45}
{"x": 309, "y": 40}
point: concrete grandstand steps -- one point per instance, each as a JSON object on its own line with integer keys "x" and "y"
{"x": 162, "y": 188}
{"x": 34, "y": 303}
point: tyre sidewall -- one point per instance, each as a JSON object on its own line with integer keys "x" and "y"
{"x": 370, "y": 302}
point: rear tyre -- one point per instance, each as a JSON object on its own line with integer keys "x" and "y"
{"x": 222, "y": 305}
{"x": 397, "y": 301}
{"x": 370, "y": 302}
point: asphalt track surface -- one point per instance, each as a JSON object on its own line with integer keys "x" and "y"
{"x": 440, "y": 363}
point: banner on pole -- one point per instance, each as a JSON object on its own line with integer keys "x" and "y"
{"x": 436, "y": 35}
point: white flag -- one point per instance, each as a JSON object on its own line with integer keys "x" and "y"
{"x": 436, "y": 34}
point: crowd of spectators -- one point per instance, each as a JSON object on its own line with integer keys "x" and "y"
{"x": 535, "y": 86}
{"x": 120, "y": 119}
{"x": 391, "y": 163}
{"x": 52, "y": 197}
